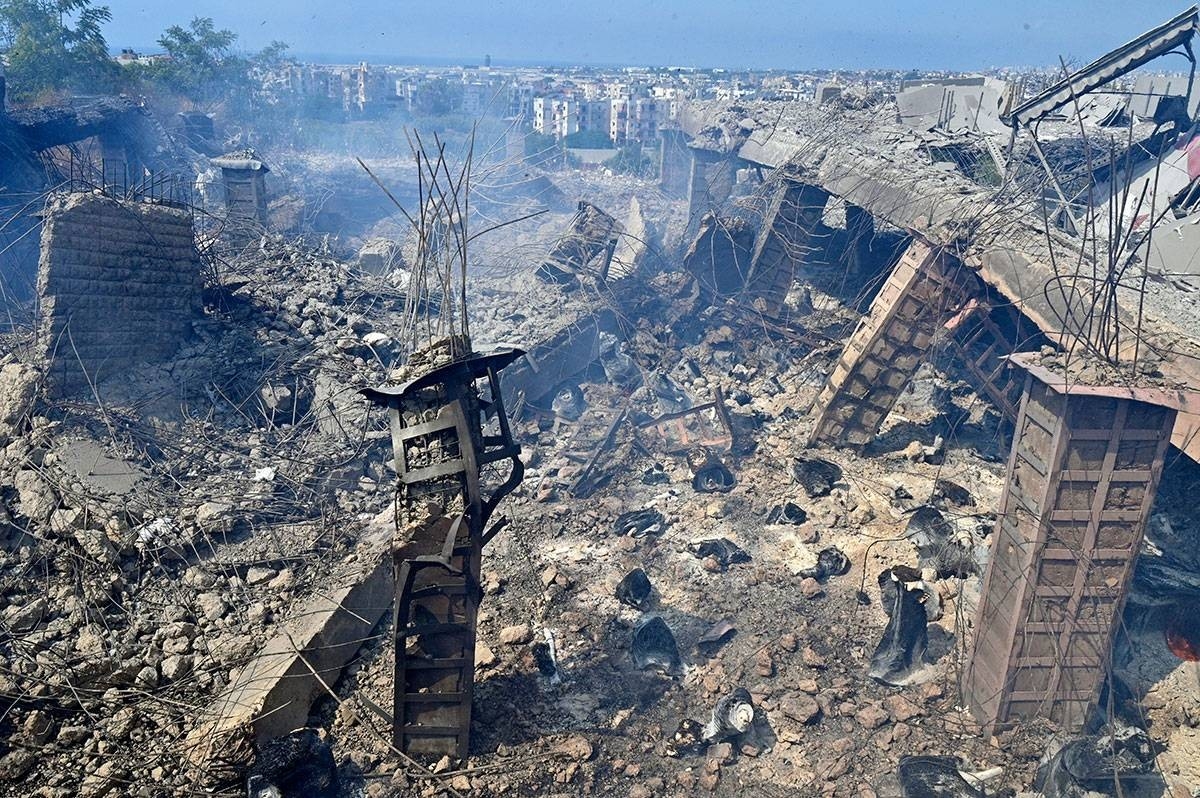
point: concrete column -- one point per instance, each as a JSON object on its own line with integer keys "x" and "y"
{"x": 783, "y": 241}
{"x": 245, "y": 179}
{"x": 442, "y": 512}
{"x": 924, "y": 290}
{"x": 1082, "y": 475}
{"x": 860, "y": 229}
{"x": 675, "y": 164}
{"x": 710, "y": 183}
{"x": 982, "y": 337}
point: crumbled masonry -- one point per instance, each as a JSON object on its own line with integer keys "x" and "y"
{"x": 850, "y": 457}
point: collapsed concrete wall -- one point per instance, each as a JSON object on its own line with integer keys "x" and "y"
{"x": 118, "y": 284}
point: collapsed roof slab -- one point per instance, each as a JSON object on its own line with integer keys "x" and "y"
{"x": 1161, "y": 40}
{"x": 1004, "y": 240}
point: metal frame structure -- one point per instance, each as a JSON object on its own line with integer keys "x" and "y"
{"x": 440, "y": 445}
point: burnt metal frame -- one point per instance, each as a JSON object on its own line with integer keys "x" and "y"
{"x": 439, "y": 570}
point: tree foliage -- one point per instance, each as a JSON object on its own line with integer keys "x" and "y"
{"x": 589, "y": 140}
{"x": 55, "y": 46}
{"x": 200, "y": 64}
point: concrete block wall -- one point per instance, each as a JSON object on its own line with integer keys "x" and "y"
{"x": 119, "y": 285}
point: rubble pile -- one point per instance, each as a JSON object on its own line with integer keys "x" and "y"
{"x": 683, "y": 597}
{"x": 152, "y": 541}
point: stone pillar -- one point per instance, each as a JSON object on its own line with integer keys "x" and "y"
{"x": 924, "y": 290}
{"x": 783, "y": 240}
{"x": 245, "y": 178}
{"x": 675, "y": 164}
{"x": 710, "y": 182}
{"x": 1082, "y": 475}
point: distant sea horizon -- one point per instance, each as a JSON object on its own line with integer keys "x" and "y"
{"x": 500, "y": 62}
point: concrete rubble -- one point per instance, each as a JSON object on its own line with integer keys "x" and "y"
{"x": 771, "y": 488}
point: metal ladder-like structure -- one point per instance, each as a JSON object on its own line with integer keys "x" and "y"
{"x": 438, "y": 423}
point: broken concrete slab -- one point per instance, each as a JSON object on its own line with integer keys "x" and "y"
{"x": 273, "y": 693}
{"x": 633, "y": 245}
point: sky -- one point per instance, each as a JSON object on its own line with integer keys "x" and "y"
{"x": 736, "y": 34}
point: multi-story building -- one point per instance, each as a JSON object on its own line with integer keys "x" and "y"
{"x": 618, "y": 120}
{"x": 594, "y": 115}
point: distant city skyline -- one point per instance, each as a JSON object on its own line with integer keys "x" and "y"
{"x": 752, "y": 34}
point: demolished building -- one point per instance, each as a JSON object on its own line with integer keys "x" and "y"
{"x": 877, "y": 350}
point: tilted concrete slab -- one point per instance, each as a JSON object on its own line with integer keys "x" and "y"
{"x": 274, "y": 692}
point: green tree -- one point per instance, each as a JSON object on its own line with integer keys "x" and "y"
{"x": 55, "y": 46}
{"x": 589, "y": 140}
{"x": 438, "y": 97}
{"x": 200, "y": 65}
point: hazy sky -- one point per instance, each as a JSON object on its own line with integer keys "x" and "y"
{"x": 966, "y": 34}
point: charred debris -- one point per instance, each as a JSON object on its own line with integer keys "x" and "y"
{"x": 858, "y": 462}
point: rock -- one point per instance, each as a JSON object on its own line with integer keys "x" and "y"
{"x": 708, "y": 780}
{"x": 256, "y": 575}
{"x": 721, "y": 753}
{"x": 808, "y": 686}
{"x": 38, "y": 727}
{"x": 764, "y": 666}
{"x": 484, "y": 656}
{"x": 871, "y": 716}
{"x": 90, "y": 643}
{"x": 97, "y": 547}
{"x": 810, "y": 588}
{"x": 462, "y": 783}
{"x": 931, "y": 691}
{"x": 25, "y": 618}
{"x": 211, "y": 606}
{"x": 492, "y": 583}
{"x": 640, "y": 791}
{"x": 276, "y": 399}
{"x": 516, "y": 635}
{"x": 900, "y": 709}
{"x": 197, "y": 577}
{"x": 18, "y": 386}
{"x": 175, "y": 666}
{"x": 800, "y": 707}
{"x": 72, "y": 735}
{"x": 834, "y": 769}
{"x": 214, "y": 517}
{"x": 552, "y": 576}
{"x": 15, "y": 764}
{"x": 284, "y": 581}
{"x": 102, "y": 781}
{"x": 577, "y": 747}
{"x": 36, "y": 499}
{"x": 147, "y": 678}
